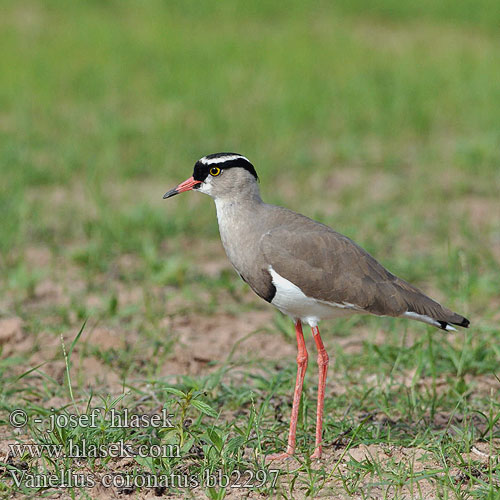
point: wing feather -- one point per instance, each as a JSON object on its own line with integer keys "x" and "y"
{"x": 330, "y": 267}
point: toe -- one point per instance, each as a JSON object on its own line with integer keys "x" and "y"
{"x": 279, "y": 456}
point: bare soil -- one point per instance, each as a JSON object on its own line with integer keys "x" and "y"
{"x": 201, "y": 343}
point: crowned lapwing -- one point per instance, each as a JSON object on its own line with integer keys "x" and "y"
{"x": 303, "y": 268}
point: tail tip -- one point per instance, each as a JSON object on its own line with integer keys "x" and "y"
{"x": 445, "y": 325}
{"x": 465, "y": 323}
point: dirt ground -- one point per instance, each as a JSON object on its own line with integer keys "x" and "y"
{"x": 202, "y": 343}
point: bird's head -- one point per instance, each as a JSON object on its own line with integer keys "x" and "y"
{"x": 220, "y": 175}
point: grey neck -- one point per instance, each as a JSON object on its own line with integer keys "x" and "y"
{"x": 247, "y": 199}
{"x": 239, "y": 221}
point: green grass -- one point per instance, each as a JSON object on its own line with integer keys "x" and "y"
{"x": 378, "y": 118}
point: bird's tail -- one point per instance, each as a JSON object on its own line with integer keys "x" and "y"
{"x": 423, "y": 308}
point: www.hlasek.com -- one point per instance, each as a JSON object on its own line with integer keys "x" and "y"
{"x": 81, "y": 449}
{"x": 137, "y": 479}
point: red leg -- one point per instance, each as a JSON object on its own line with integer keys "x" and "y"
{"x": 301, "y": 371}
{"x": 323, "y": 368}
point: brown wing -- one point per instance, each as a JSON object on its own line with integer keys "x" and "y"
{"x": 328, "y": 266}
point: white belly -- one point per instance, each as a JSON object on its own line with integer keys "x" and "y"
{"x": 290, "y": 300}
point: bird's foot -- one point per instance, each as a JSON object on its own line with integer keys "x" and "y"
{"x": 286, "y": 455}
{"x": 317, "y": 454}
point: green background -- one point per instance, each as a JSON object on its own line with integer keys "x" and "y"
{"x": 379, "y": 118}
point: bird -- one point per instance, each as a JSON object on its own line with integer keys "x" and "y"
{"x": 304, "y": 268}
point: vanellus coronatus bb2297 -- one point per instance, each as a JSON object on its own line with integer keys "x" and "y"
{"x": 305, "y": 269}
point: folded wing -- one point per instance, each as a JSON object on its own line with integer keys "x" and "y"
{"x": 330, "y": 267}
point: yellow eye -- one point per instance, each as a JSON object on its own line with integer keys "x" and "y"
{"x": 215, "y": 171}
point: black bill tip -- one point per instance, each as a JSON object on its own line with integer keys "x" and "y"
{"x": 170, "y": 193}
